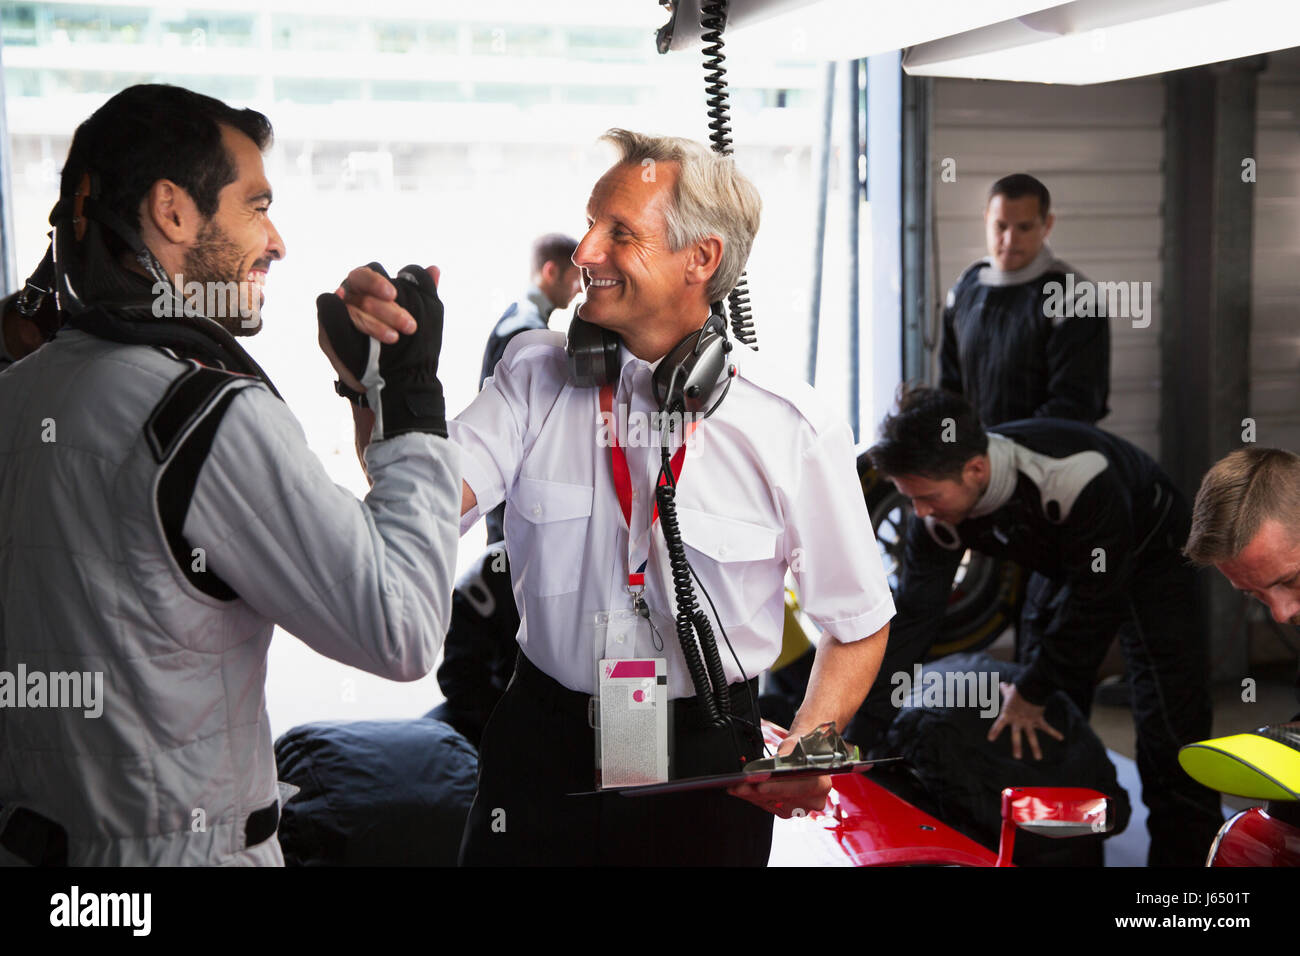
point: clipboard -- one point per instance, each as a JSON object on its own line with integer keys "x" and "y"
{"x": 718, "y": 781}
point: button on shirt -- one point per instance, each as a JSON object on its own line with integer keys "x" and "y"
{"x": 768, "y": 485}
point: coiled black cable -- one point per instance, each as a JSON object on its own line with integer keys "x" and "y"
{"x": 713, "y": 660}
{"x": 713, "y": 18}
{"x": 742, "y": 323}
{"x": 688, "y": 613}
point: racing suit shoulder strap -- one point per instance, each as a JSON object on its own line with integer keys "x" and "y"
{"x": 180, "y": 431}
{"x": 187, "y": 400}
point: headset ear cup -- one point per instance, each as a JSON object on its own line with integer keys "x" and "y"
{"x": 689, "y": 376}
{"x": 672, "y": 365}
{"x": 592, "y": 353}
{"x": 611, "y": 354}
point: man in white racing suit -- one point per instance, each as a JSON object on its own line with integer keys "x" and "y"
{"x": 160, "y": 510}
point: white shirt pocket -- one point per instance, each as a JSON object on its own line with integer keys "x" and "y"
{"x": 552, "y": 534}
{"x": 742, "y": 570}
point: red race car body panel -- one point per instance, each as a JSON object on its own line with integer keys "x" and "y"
{"x": 867, "y": 825}
{"x": 1254, "y": 837}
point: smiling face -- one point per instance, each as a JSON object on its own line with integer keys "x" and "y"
{"x": 1268, "y": 569}
{"x": 635, "y": 284}
{"x": 239, "y": 242}
{"x": 948, "y": 499}
{"x": 1014, "y": 231}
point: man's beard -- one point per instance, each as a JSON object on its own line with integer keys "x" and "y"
{"x": 213, "y": 262}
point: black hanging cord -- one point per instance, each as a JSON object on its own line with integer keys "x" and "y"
{"x": 713, "y": 18}
{"x": 756, "y": 723}
{"x": 688, "y": 613}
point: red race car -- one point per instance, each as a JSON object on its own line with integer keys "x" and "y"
{"x": 866, "y": 825}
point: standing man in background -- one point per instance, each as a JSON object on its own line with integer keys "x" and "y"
{"x": 1003, "y": 349}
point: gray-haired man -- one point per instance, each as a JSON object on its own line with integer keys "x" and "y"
{"x": 770, "y": 487}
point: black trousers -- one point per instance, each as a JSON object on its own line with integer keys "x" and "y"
{"x": 538, "y": 748}
{"x": 1166, "y": 649}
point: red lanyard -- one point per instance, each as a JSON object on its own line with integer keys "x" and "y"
{"x": 623, "y": 478}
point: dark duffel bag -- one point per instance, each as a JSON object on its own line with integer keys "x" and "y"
{"x": 375, "y": 793}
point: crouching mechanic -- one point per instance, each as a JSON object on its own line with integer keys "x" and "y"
{"x": 162, "y": 511}
{"x": 1096, "y": 516}
{"x": 770, "y": 486}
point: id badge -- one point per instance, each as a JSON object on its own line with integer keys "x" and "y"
{"x": 631, "y": 708}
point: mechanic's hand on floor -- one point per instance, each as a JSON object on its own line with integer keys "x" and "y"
{"x": 1020, "y": 715}
{"x": 786, "y": 798}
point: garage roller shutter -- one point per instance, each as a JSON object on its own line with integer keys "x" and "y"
{"x": 1275, "y": 278}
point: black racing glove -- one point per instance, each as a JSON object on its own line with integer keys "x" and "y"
{"x": 401, "y": 379}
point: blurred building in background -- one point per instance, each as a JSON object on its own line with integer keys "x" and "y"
{"x": 441, "y": 133}
{"x": 447, "y": 133}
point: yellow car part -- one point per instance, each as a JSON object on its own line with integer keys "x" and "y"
{"x": 1261, "y": 765}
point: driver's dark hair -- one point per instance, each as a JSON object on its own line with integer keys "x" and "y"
{"x": 932, "y": 434}
{"x": 155, "y": 131}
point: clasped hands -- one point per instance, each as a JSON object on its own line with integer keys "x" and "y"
{"x": 371, "y": 300}
{"x": 383, "y": 339}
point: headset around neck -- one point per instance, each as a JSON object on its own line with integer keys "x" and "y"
{"x": 692, "y": 378}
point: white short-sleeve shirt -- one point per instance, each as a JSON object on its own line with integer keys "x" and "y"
{"x": 768, "y": 484}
